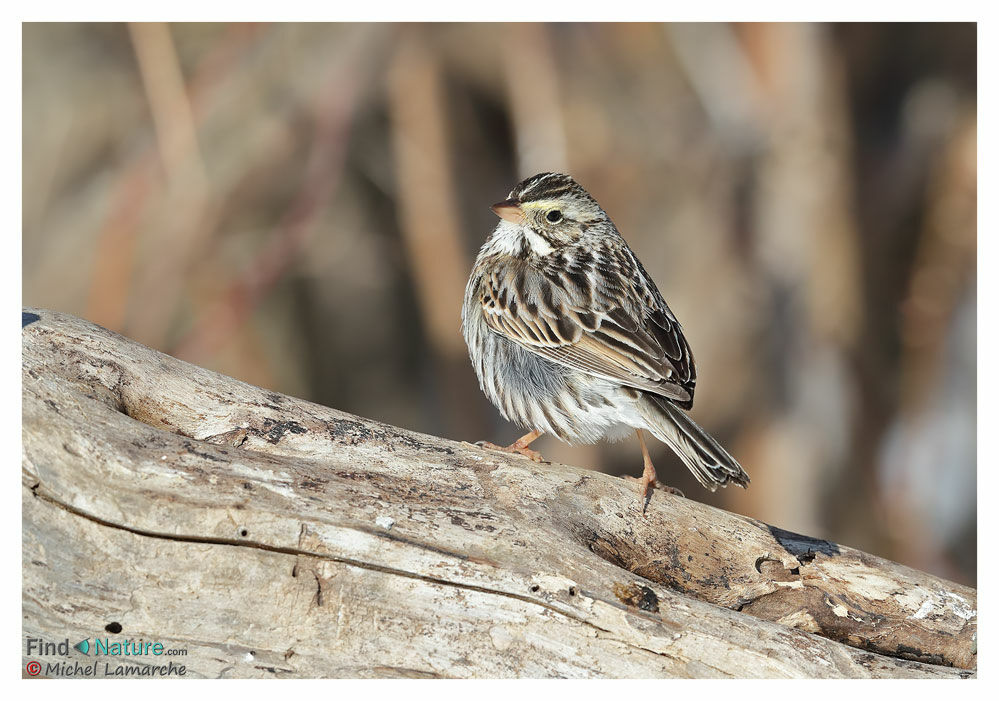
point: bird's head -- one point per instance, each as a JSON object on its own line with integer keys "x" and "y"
{"x": 548, "y": 211}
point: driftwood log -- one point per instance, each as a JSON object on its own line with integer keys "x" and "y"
{"x": 273, "y": 537}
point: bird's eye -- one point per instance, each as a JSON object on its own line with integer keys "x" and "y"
{"x": 554, "y": 216}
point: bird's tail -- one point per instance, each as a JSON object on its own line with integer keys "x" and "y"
{"x": 711, "y": 464}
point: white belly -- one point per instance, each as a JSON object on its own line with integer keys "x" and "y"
{"x": 538, "y": 394}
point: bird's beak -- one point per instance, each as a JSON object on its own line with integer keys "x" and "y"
{"x": 509, "y": 210}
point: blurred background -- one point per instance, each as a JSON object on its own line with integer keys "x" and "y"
{"x": 299, "y": 206}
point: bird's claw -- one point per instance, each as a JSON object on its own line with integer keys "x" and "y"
{"x": 646, "y": 486}
{"x": 514, "y": 448}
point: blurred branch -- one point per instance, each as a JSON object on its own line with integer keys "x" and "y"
{"x": 428, "y": 206}
{"x": 944, "y": 265}
{"x": 170, "y": 106}
{"x": 188, "y": 198}
{"x": 533, "y": 91}
{"x": 334, "y": 110}
{"x": 805, "y": 251}
{"x": 931, "y": 438}
{"x": 117, "y": 243}
{"x": 724, "y": 80}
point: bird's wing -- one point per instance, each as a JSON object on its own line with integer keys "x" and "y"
{"x": 594, "y": 312}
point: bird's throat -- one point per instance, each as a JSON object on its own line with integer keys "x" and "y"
{"x": 518, "y": 241}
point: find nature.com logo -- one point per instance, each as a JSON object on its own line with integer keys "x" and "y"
{"x": 102, "y": 647}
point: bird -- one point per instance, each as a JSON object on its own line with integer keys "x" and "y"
{"x": 569, "y": 335}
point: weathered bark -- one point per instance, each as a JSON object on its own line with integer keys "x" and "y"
{"x": 270, "y": 536}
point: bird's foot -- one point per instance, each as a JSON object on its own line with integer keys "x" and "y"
{"x": 513, "y": 448}
{"x": 669, "y": 490}
{"x": 646, "y": 485}
{"x": 648, "y": 478}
